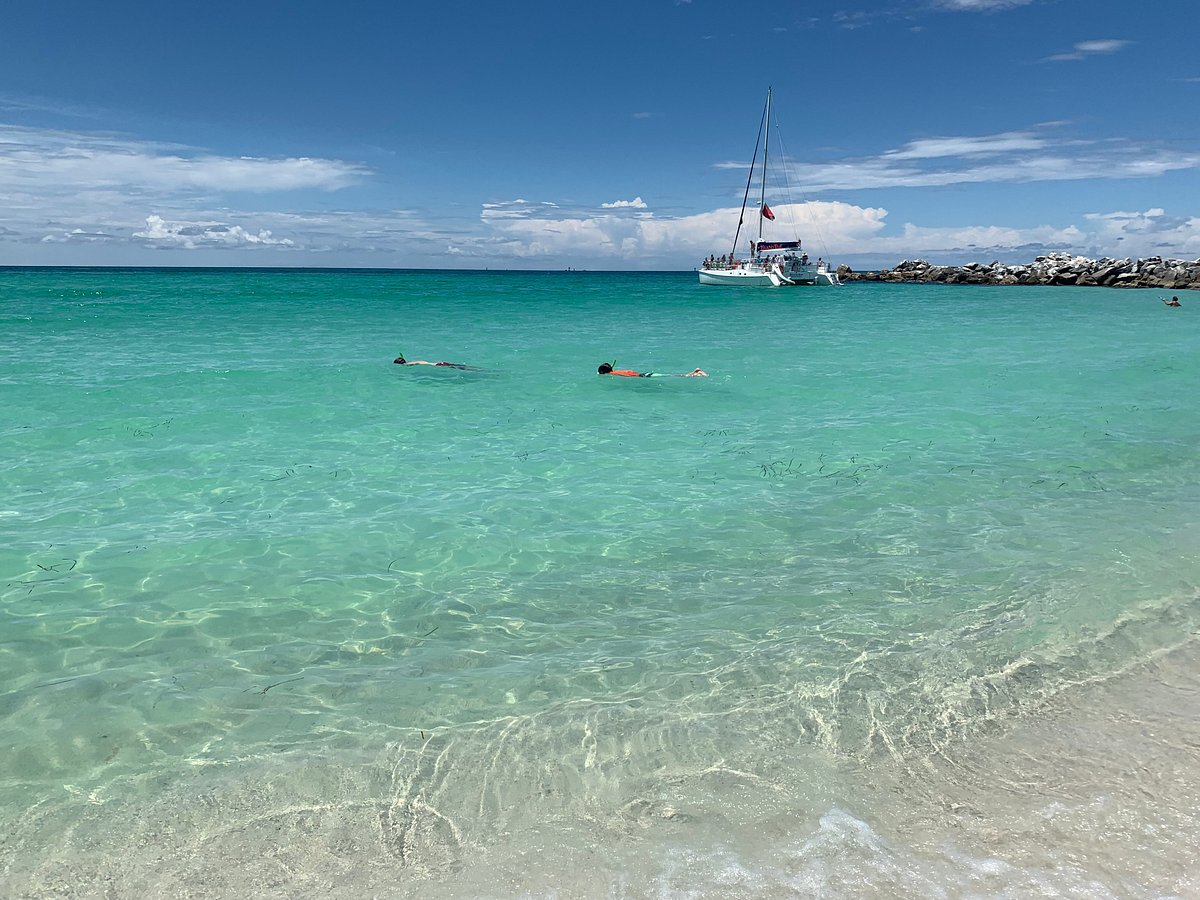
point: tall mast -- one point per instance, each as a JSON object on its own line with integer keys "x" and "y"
{"x": 750, "y": 179}
{"x": 762, "y": 197}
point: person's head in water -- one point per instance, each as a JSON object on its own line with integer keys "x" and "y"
{"x": 399, "y": 361}
{"x": 604, "y": 368}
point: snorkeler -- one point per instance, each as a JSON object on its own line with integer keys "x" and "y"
{"x": 1174, "y": 301}
{"x": 401, "y": 361}
{"x": 607, "y": 369}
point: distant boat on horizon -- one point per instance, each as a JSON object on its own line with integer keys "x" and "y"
{"x": 770, "y": 263}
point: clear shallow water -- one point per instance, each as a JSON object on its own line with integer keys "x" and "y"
{"x": 845, "y": 616}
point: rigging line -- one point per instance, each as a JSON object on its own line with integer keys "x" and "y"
{"x": 787, "y": 184}
{"x": 800, "y": 190}
{"x": 749, "y": 179}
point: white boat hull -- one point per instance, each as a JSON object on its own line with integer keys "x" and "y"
{"x": 736, "y": 277}
{"x": 752, "y": 275}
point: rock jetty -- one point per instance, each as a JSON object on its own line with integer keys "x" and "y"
{"x": 1055, "y": 268}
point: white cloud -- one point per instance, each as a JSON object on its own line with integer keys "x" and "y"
{"x": 23, "y": 103}
{"x": 839, "y": 231}
{"x": 61, "y": 189}
{"x": 976, "y": 241}
{"x": 1019, "y": 156}
{"x": 635, "y": 203}
{"x": 985, "y": 145}
{"x": 74, "y": 188}
{"x": 979, "y": 5}
{"x": 1090, "y": 48}
{"x": 516, "y": 209}
{"x": 79, "y": 236}
{"x": 1106, "y": 46}
{"x": 64, "y": 192}
{"x": 1148, "y": 233}
{"x": 58, "y": 162}
{"x": 193, "y": 235}
{"x": 648, "y": 241}
{"x": 852, "y": 21}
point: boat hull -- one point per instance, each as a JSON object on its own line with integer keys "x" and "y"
{"x": 736, "y": 277}
{"x": 758, "y": 276}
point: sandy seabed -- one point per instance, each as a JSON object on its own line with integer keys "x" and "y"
{"x": 1097, "y": 795}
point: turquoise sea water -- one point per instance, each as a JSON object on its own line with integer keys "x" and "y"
{"x": 901, "y": 600}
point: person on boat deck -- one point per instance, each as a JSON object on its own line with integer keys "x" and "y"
{"x": 607, "y": 369}
{"x": 1174, "y": 301}
{"x": 401, "y": 361}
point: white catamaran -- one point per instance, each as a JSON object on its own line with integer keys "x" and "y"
{"x": 770, "y": 263}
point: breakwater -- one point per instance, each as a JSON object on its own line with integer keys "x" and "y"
{"x": 1052, "y": 269}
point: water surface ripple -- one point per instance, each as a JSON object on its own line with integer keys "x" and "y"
{"x": 849, "y": 616}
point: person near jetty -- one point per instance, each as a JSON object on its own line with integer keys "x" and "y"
{"x": 401, "y": 361}
{"x": 1174, "y": 301}
{"x": 607, "y": 369}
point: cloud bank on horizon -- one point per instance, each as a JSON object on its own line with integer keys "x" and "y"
{"x": 1030, "y": 162}
{"x": 70, "y": 190}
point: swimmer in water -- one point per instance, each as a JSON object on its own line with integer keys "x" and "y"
{"x": 401, "y": 361}
{"x": 1174, "y": 301}
{"x": 607, "y": 369}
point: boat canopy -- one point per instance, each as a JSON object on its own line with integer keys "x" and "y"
{"x": 764, "y": 246}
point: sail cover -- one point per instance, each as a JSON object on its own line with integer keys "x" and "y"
{"x": 764, "y": 246}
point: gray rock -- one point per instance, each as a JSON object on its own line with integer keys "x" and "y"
{"x": 1053, "y": 268}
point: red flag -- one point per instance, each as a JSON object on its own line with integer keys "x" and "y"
{"x": 767, "y": 214}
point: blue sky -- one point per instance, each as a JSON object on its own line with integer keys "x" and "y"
{"x": 611, "y": 135}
